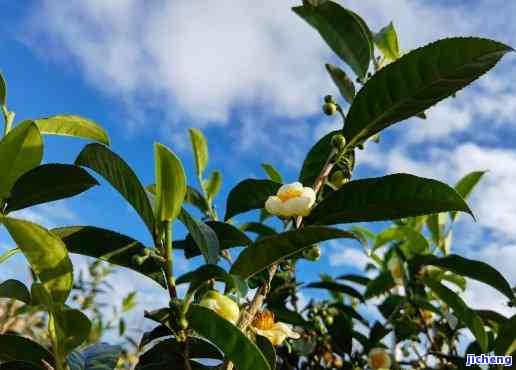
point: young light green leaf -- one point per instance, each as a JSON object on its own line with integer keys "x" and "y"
{"x": 17, "y": 348}
{"x": 213, "y": 184}
{"x": 200, "y": 149}
{"x": 170, "y": 183}
{"x": 268, "y": 250}
{"x": 417, "y": 81}
{"x": 413, "y": 241}
{"x": 344, "y": 32}
{"x": 20, "y": 151}
{"x": 249, "y": 194}
{"x": 342, "y": 81}
{"x": 315, "y": 159}
{"x": 337, "y": 288}
{"x": 111, "y": 247}
{"x": 204, "y": 237}
{"x": 129, "y": 302}
{"x": 74, "y": 126}
{"x": 118, "y": 173}
{"x": 387, "y": 41}
{"x": 11, "y": 252}
{"x": 46, "y": 254}
{"x": 386, "y": 198}
{"x": 272, "y": 172}
{"x": 73, "y": 328}
{"x": 461, "y": 310}
{"x": 472, "y": 269}
{"x": 3, "y": 90}
{"x": 235, "y": 345}
{"x": 14, "y": 289}
{"x": 47, "y": 183}
{"x": 466, "y": 185}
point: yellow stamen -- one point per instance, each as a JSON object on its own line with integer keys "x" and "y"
{"x": 264, "y": 320}
{"x": 286, "y": 195}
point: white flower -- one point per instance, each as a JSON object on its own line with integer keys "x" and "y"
{"x": 291, "y": 200}
{"x": 222, "y": 305}
{"x": 395, "y": 268}
{"x": 379, "y": 358}
{"x": 276, "y": 332}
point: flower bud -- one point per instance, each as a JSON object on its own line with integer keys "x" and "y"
{"x": 330, "y": 99}
{"x": 338, "y": 179}
{"x": 222, "y": 305}
{"x": 379, "y": 358}
{"x": 338, "y": 141}
{"x": 312, "y": 253}
{"x": 329, "y": 109}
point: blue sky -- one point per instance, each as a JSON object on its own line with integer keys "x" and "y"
{"x": 251, "y": 76}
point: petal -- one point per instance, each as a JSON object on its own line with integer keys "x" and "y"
{"x": 274, "y": 206}
{"x": 293, "y": 187}
{"x": 287, "y": 329}
{"x": 309, "y": 193}
{"x": 299, "y": 206}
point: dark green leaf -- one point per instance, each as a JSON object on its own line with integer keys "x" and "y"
{"x": 202, "y": 275}
{"x": 170, "y": 183}
{"x": 379, "y": 285}
{"x": 315, "y": 159}
{"x": 195, "y": 198}
{"x": 3, "y": 90}
{"x": 461, "y": 310}
{"x": 272, "y": 172}
{"x": 20, "y": 150}
{"x": 200, "y": 149}
{"x": 268, "y": 250}
{"x": 235, "y": 345}
{"x": 492, "y": 317}
{"x": 358, "y": 279}
{"x": 14, "y": 289}
{"x": 344, "y": 32}
{"x": 258, "y": 228}
{"x": 118, "y": 173}
{"x": 249, "y": 194}
{"x": 340, "y": 333}
{"x": 342, "y": 81}
{"x": 386, "y": 198}
{"x": 466, "y": 185}
{"x": 75, "y": 126}
{"x": 100, "y": 356}
{"x": 417, "y": 81}
{"x": 20, "y": 365}
{"x": 377, "y": 333}
{"x": 47, "y": 183}
{"x": 112, "y": 247}
{"x": 506, "y": 341}
{"x": 472, "y": 269}
{"x": 267, "y": 350}
{"x": 204, "y": 237}
{"x": 387, "y": 41}
{"x": 16, "y": 348}
{"x": 336, "y": 287}
{"x": 73, "y": 328}
{"x": 46, "y": 254}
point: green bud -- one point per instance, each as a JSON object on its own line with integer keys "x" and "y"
{"x": 338, "y": 179}
{"x": 360, "y": 146}
{"x": 328, "y": 320}
{"x": 313, "y": 253}
{"x": 330, "y": 99}
{"x": 329, "y": 108}
{"x": 338, "y": 141}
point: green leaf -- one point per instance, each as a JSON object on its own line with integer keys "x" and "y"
{"x": 258, "y": 228}
{"x": 249, "y": 194}
{"x": 213, "y": 184}
{"x": 204, "y": 237}
{"x": 272, "y": 172}
{"x": 344, "y": 32}
{"x": 505, "y": 343}
{"x": 315, "y": 159}
{"x": 73, "y": 328}
{"x": 235, "y": 345}
{"x": 74, "y": 126}
{"x": 170, "y": 183}
{"x": 118, "y": 173}
{"x": 199, "y": 277}
{"x": 386, "y": 198}
{"x": 461, "y": 310}
{"x": 387, "y": 41}
{"x": 195, "y": 198}
{"x": 414, "y": 242}
{"x": 16, "y": 348}
{"x": 14, "y": 289}
{"x": 228, "y": 236}
{"x": 200, "y": 149}
{"x": 338, "y": 288}
{"x": 340, "y": 331}
{"x": 417, "y": 81}
{"x": 19, "y": 365}
{"x": 46, "y": 254}
{"x": 466, "y": 185}
{"x": 342, "y": 81}
{"x": 379, "y": 285}
{"x": 11, "y": 252}
{"x": 357, "y": 279}
{"x": 267, "y": 350}
{"x": 3, "y": 90}
{"x": 436, "y": 223}
{"x": 268, "y": 250}
{"x": 111, "y": 247}
{"x": 48, "y": 182}
{"x": 472, "y": 269}
{"x": 100, "y": 356}
{"x": 129, "y": 302}
{"x": 20, "y": 150}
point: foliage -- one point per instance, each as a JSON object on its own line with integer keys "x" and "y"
{"x": 411, "y": 270}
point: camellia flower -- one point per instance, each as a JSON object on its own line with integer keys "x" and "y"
{"x": 379, "y": 358}
{"x": 264, "y": 325}
{"x": 394, "y": 267}
{"x": 222, "y": 305}
{"x": 291, "y": 200}
{"x": 428, "y": 316}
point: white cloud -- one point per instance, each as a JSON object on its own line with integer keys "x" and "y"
{"x": 343, "y": 255}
